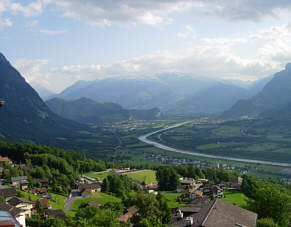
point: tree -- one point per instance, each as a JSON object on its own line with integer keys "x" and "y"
{"x": 249, "y": 185}
{"x": 270, "y": 202}
{"x": 93, "y": 216}
{"x": 266, "y": 222}
{"x": 105, "y": 187}
{"x": 164, "y": 208}
{"x": 167, "y": 177}
{"x": 151, "y": 221}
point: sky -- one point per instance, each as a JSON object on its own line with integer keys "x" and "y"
{"x": 55, "y": 43}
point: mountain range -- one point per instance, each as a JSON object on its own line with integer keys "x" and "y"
{"x": 273, "y": 101}
{"x": 85, "y": 110}
{"x": 171, "y": 93}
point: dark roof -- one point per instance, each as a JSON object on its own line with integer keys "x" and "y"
{"x": 86, "y": 192}
{"x": 15, "y": 211}
{"x": 11, "y": 209}
{"x": 198, "y": 217}
{"x": 42, "y": 180}
{"x": 21, "y": 178}
{"x": 41, "y": 191}
{"x": 5, "y": 207}
{"x": 8, "y": 192}
{"x": 192, "y": 209}
{"x": 88, "y": 186}
{"x": 219, "y": 214}
{"x": 16, "y": 200}
{"x": 60, "y": 214}
{"x": 227, "y": 215}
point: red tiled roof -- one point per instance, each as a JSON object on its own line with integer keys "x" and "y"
{"x": 44, "y": 203}
{"x": 4, "y": 159}
{"x": 7, "y": 224}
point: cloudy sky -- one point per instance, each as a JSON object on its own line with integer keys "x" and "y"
{"x": 54, "y": 43}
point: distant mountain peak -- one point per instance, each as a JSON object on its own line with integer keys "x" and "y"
{"x": 2, "y": 58}
{"x": 288, "y": 67}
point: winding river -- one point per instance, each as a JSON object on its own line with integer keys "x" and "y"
{"x": 145, "y": 139}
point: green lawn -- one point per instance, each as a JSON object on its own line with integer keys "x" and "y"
{"x": 236, "y": 198}
{"x": 57, "y": 202}
{"x": 147, "y": 176}
{"x": 172, "y": 200}
{"x": 27, "y": 195}
{"x": 101, "y": 175}
{"x": 100, "y": 197}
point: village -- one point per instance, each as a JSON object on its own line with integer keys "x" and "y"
{"x": 195, "y": 202}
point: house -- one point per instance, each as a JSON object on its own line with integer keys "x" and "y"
{"x": 20, "y": 182}
{"x": 8, "y": 193}
{"x": 44, "y": 204}
{"x": 42, "y": 192}
{"x": 86, "y": 193}
{"x": 86, "y": 189}
{"x": 93, "y": 187}
{"x": 75, "y": 193}
{"x": 44, "y": 182}
{"x": 215, "y": 213}
{"x": 185, "y": 181}
{"x": 193, "y": 194}
{"x": 5, "y": 159}
{"x": 186, "y": 184}
{"x": 23, "y": 204}
{"x": 153, "y": 187}
{"x": 13, "y": 214}
{"x": 216, "y": 191}
{"x": 60, "y": 214}
{"x": 236, "y": 183}
{"x": 131, "y": 211}
{"x": 25, "y": 167}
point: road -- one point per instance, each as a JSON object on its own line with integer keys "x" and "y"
{"x": 69, "y": 202}
{"x": 145, "y": 139}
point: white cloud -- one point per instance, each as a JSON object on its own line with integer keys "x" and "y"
{"x": 189, "y": 32}
{"x": 31, "y": 10}
{"x": 32, "y": 71}
{"x": 246, "y": 57}
{"x": 209, "y": 60}
{"x": 52, "y": 32}
{"x": 151, "y": 12}
{"x": 154, "y": 12}
{"x": 107, "y": 12}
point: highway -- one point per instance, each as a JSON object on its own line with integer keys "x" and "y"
{"x": 145, "y": 139}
